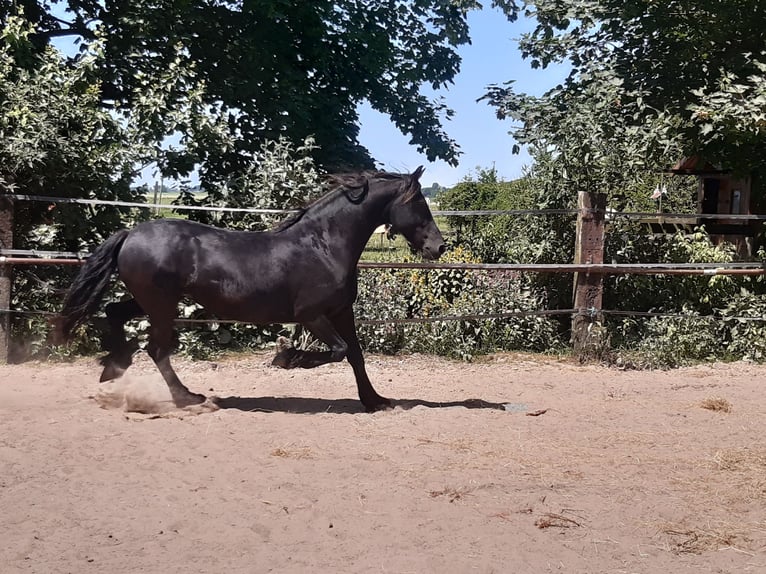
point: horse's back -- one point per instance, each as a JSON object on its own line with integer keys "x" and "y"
{"x": 174, "y": 251}
{"x": 229, "y": 272}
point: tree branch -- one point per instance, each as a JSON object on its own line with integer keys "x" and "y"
{"x": 83, "y": 32}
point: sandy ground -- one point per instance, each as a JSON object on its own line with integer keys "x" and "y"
{"x": 622, "y": 472}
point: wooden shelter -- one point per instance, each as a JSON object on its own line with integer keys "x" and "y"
{"x": 719, "y": 191}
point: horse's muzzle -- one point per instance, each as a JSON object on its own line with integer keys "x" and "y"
{"x": 433, "y": 249}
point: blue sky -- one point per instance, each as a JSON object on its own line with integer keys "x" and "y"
{"x": 492, "y": 58}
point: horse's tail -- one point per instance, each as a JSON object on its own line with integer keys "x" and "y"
{"x": 89, "y": 287}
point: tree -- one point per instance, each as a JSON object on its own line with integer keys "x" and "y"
{"x": 56, "y": 140}
{"x": 282, "y": 69}
{"x": 650, "y": 81}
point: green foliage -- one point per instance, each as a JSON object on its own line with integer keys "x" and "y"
{"x": 717, "y": 317}
{"x": 55, "y": 140}
{"x": 498, "y": 239}
{"x": 481, "y": 191}
{"x": 730, "y": 115}
{"x": 686, "y": 336}
{"x": 744, "y": 318}
{"x": 667, "y": 342}
{"x": 278, "y": 176}
{"x": 518, "y": 238}
{"x": 210, "y": 340}
{"x": 403, "y": 294}
{"x": 240, "y": 86}
{"x": 649, "y": 82}
{"x": 670, "y": 293}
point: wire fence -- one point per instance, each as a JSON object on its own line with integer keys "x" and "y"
{"x": 386, "y": 321}
{"x": 115, "y": 203}
{"x": 43, "y": 257}
{"x": 609, "y": 214}
{"x": 35, "y": 257}
{"x": 591, "y": 313}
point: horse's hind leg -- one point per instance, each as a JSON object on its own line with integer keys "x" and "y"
{"x": 159, "y": 348}
{"x": 120, "y": 350}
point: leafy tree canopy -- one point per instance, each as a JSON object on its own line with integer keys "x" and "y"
{"x": 650, "y": 81}
{"x": 56, "y": 141}
{"x": 273, "y": 68}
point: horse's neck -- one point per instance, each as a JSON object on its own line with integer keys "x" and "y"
{"x": 347, "y": 224}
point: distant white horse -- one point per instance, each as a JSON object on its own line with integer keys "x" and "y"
{"x": 382, "y": 231}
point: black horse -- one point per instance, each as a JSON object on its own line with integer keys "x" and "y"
{"x": 303, "y": 271}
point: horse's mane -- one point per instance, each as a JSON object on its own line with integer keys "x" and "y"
{"x": 356, "y": 179}
{"x": 290, "y": 220}
{"x": 348, "y": 183}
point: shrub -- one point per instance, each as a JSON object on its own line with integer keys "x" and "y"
{"x": 744, "y": 319}
{"x": 405, "y": 294}
{"x": 667, "y": 342}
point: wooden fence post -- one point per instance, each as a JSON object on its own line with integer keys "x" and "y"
{"x": 589, "y": 338}
{"x": 6, "y": 275}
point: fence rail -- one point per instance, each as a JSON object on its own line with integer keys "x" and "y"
{"x": 609, "y": 214}
{"x": 35, "y": 257}
{"x": 445, "y": 318}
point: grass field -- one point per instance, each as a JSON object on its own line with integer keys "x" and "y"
{"x": 166, "y": 199}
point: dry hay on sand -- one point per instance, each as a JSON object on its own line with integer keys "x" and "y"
{"x": 747, "y": 459}
{"x": 552, "y": 520}
{"x": 684, "y": 540}
{"x": 716, "y": 404}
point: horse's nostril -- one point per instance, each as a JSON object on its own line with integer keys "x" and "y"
{"x": 442, "y": 249}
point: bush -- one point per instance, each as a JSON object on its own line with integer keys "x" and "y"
{"x": 744, "y": 319}
{"x": 404, "y": 294}
{"x": 628, "y": 243}
{"x": 722, "y": 316}
{"x": 647, "y": 342}
{"x": 668, "y": 342}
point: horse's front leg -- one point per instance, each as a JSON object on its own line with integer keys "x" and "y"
{"x": 289, "y": 357}
{"x": 159, "y": 348}
{"x": 346, "y": 328}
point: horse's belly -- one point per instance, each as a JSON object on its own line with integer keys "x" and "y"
{"x": 273, "y": 295}
{"x": 258, "y": 307}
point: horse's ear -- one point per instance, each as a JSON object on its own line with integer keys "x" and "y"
{"x": 412, "y": 186}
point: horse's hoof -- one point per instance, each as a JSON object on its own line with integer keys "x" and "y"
{"x": 379, "y": 404}
{"x": 190, "y": 400}
{"x": 110, "y": 372}
{"x": 285, "y": 358}
{"x": 116, "y": 363}
{"x": 209, "y": 405}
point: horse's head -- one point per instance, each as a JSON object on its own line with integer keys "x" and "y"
{"x": 410, "y": 215}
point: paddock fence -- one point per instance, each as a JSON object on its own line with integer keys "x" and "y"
{"x": 588, "y": 268}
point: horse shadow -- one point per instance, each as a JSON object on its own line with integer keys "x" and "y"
{"x": 304, "y": 405}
